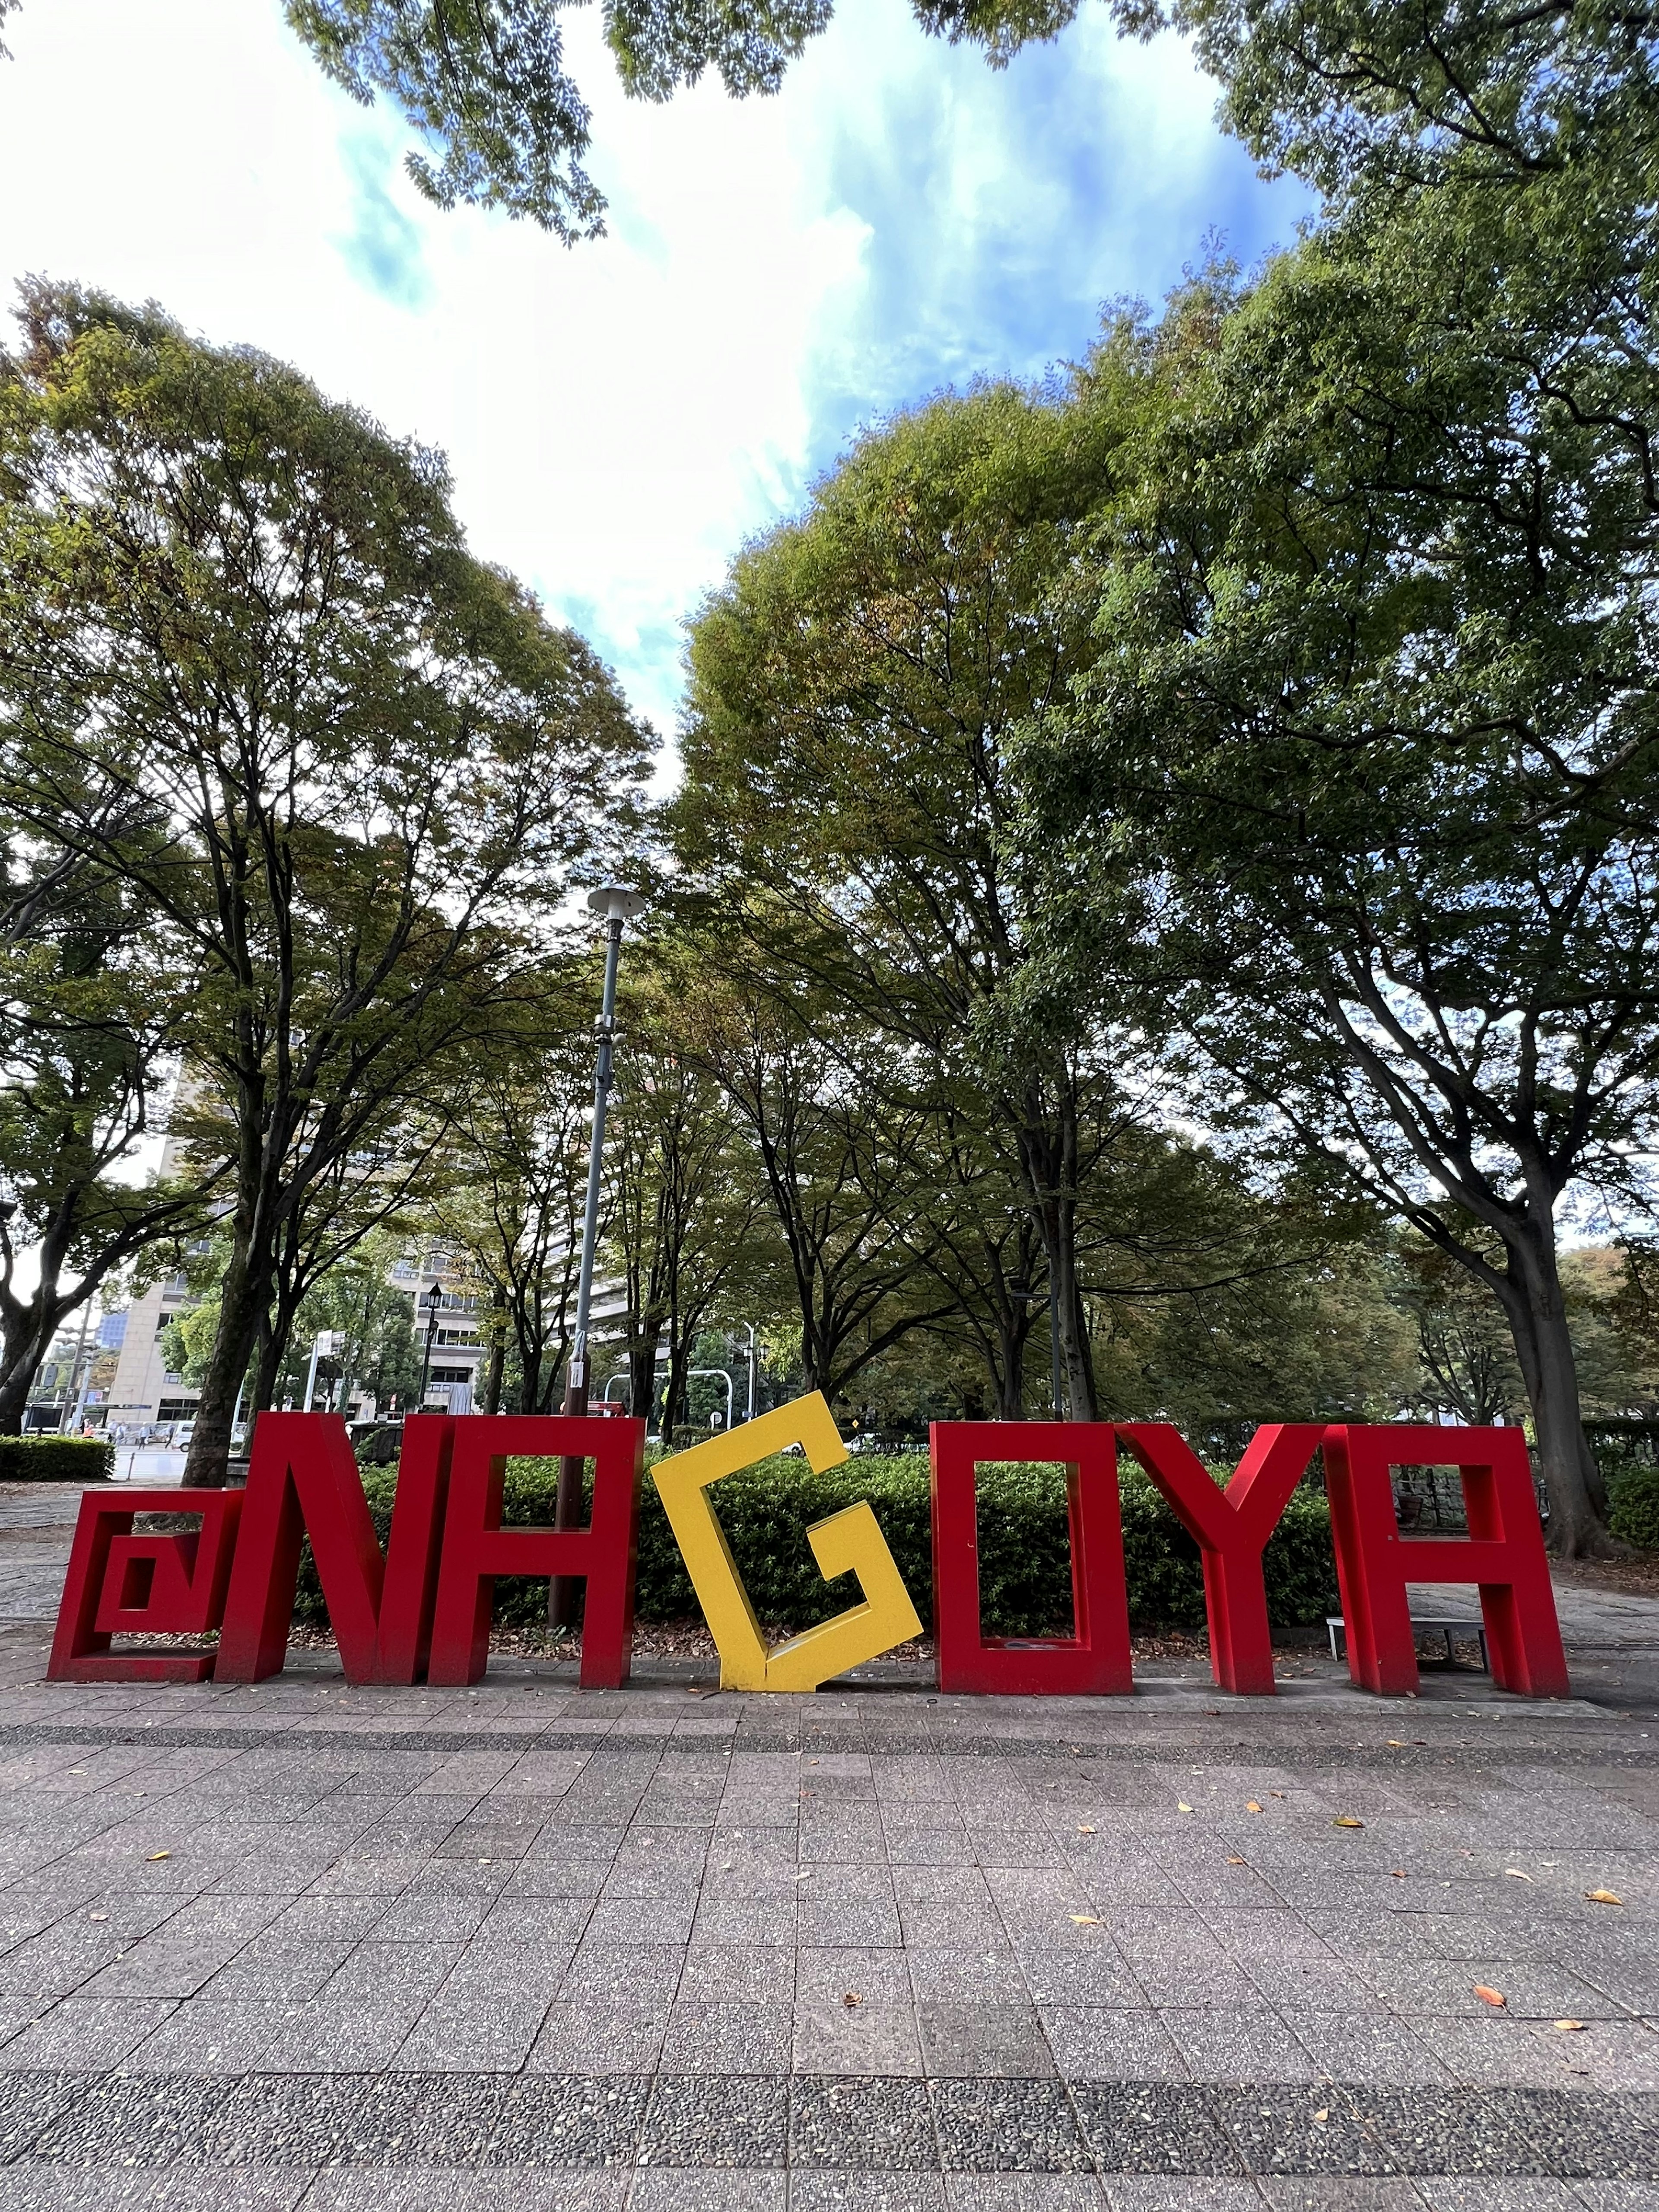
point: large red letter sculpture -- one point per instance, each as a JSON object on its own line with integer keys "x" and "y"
{"x": 1093, "y": 1662}
{"x": 1505, "y": 1554}
{"x": 477, "y": 1548}
{"x": 303, "y": 1481}
{"x": 1232, "y": 1526}
{"x": 147, "y": 1585}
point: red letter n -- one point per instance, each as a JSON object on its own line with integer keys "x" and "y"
{"x": 477, "y": 1548}
{"x": 1093, "y": 1661}
{"x": 1505, "y": 1555}
{"x": 1232, "y": 1526}
{"x": 148, "y": 1585}
{"x": 303, "y": 1481}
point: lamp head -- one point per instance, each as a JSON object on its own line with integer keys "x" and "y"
{"x": 615, "y": 902}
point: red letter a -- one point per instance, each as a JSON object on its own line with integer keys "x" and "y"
{"x": 303, "y": 1481}
{"x": 1232, "y": 1526}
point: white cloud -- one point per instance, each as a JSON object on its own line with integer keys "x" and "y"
{"x": 618, "y": 416}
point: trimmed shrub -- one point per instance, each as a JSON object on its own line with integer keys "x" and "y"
{"x": 56, "y": 1459}
{"x": 1024, "y": 1547}
{"x": 1634, "y": 1514}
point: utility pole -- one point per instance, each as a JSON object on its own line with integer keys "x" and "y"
{"x": 618, "y": 906}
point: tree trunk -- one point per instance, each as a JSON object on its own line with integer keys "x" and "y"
{"x": 679, "y": 1358}
{"x": 244, "y": 1303}
{"x": 642, "y": 1369}
{"x": 25, "y": 1344}
{"x": 1048, "y": 1155}
{"x": 1530, "y": 1294}
{"x": 497, "y": 1354}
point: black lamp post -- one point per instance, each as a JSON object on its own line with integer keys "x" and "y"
{"x": 434, "y": 1299}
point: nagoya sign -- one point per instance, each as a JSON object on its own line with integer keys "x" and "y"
{"x": 422, "y": 1609}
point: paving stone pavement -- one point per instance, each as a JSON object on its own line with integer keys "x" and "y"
{"x": 528, "y": 1946}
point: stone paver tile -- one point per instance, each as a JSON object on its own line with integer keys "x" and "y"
{"x": 493, "y": 2037}
{"x": 1150, "y": 2128}
{"x": 947, "y": 1974}
{"x": 1101, "y": 2043}
{"x": 1365, "y": 2047}
{"x": 999, "y": 2039}
{"x": 1513, "y": 2193}
{"x": 833, "y": 2037}
{"x": 37, "y": 2189}
{"x": 567, "y": 2120}
{"x": 765, "y": 1920}
{"x": 712, "y": 2120}
{"x": 1342, "y": 2193}
{"x": 434, "y": 2189}
{"x": 1306, "y": 2132}
{"x": 726, "y": 2039}
{"x": 109, "y": 2121}
{"x": 840, "y": 1922}
{"x": 598, "y": 1972}
{"x": 846, "y": 2122}
{"x": 1142, "y": 2192}
{"x": 1432, "y": 2131}
{"x": 597, "y": 2036}
{"x": 1023, "y": 2192}
{"x": 738, "y": 1973}
{"x": 988, "y": 2125}
{"x": 711, "y": 2191}
{"x": 33, "y": 2105}
{"x": 874, "y": 1976}
{"x": 1530, "y": 1991}
{"x": 856, "y": 2189}
{"x": 86, "y": 2032}
{"x": 1501, "y": 2052}
{"x": 1253, "y": 2045}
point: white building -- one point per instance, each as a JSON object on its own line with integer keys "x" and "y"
{"x": 144, "y": 1394}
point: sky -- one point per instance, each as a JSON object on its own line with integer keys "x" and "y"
{"x": 621, "y": 415}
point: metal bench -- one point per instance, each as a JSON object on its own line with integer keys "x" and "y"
{"x": 1423, "y": 1623}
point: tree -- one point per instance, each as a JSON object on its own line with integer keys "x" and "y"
{"x": 93, "y": 996}
{"x": 854, "y": 688}
{"x": 1379, "y": 705}
{"x": 518, "y": 1187}
{"x": 841, "y": 1177}
{"x": 248, "y": 667}
{"x": 689, "y": 1197}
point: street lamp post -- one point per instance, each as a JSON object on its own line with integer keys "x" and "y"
{"x": 434, "y": 1299}
{"x": 618, "y": 906}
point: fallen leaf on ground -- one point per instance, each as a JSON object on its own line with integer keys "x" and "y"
{"x": 852, "y": 1997}
{"x": 1322, "y": 2114}
{"x": 1396, "y": 1743}
{"x": 159, "y": 1855}
{"x": 1346, "y": 1820}
{"x": 1571, "y": 2027}
{"x": 1494, "y": 1997}
{"x": 1181, "y": 1806}
{"x": 1253, "y": 1806}
{"x": 1275, "y": 1793}
{"x": 1084, "y": 1920}
{"x": 1515, "y": 1874}
{"x": 1398, "y": 1873}
{"x": 1602, "y": 1897}
{"x": 1235, "y": 1862}
{"x": 1083, "y": 1829}
{"x": 98, "y": 1916}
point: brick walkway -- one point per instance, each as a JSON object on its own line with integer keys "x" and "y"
{"x": 529, "y": 1948}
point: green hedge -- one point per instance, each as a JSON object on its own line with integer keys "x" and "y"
{"x": 1634, "y": 1511}
{"x": 1024, "y": 1547}
{"x": 56, "y": 1459}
